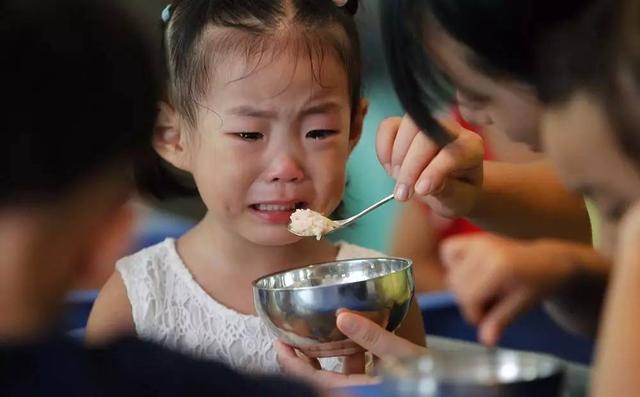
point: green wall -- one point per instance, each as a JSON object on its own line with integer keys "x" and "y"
{"x": 367, "y": 180}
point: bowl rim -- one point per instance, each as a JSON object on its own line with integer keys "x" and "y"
{"x": 408, "y": 265}
{"x": 557, "y": 366}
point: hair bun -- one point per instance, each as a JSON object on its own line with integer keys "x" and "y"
{"x": 351, "y": 6}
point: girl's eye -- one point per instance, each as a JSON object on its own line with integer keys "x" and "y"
{"x": 616, "y": 210}
{"x": 249, "y": 136}
{"x": 472, "y": 100}
{"x": 320, "y": 134}
{"x": 474, "y": 103}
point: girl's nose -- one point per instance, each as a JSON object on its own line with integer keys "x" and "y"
{"x": 285, "y": 168}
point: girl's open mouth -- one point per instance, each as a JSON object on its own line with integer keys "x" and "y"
{"x": 277, "y": 213}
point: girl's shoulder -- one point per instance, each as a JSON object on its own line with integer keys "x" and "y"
{"x": 161, "y": 255}
{"x": 352, "y": 251}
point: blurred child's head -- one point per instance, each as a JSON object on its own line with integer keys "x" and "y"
{"x": 590, "y": 84}
{"x": 80, "y": 95}
{"x": 478, "y": 54}
{"x": 263, "y": 109}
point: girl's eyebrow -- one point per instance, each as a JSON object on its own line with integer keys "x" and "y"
{"x": 321, "y": 108}
{"x": 249, "y": 111}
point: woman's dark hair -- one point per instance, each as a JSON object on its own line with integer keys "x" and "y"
{"x": 598, "y": 54}
{"x": 200, "y": 33}
{"x": 501, "y": 35}
{"x": 80, "y": 92}
{"x": 579, "y": 56}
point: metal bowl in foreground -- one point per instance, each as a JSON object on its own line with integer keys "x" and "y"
{"x": 477, "y": 374}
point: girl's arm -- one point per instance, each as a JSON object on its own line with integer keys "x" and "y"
{"x": 529, "y": 201}
{"x": 412, "y": 328}
{"x": 415, "y": 237}
{"x": 618, "y": 359}
{"x": 111, "y": 315}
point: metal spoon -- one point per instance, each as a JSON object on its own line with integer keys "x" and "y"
{"x": 332, "y": 226}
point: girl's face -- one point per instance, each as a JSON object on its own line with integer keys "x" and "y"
{"x": 272, "y": 138}
{"x": 578, "y": 137}
{"x": 505, "y": 105}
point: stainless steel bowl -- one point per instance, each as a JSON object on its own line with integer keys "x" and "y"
{"x": 475, "y": 374}
{"x": 300, "y": 306}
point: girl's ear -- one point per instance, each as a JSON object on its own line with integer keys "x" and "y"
{"x": 169, "y": 137}
{"x": 358, "y": 123}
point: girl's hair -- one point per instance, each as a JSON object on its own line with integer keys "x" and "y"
{"x": 82, "y": 88}
{"x": 580, "y": 56}
{"x": 501, "y": 35}
{"x": 598, "y": 54}
{"x": 199, "y": 34}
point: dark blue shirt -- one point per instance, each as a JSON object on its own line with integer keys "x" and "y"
{"x": 130, "y": 367}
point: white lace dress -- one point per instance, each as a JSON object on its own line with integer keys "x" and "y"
{"x": 171, "y": 308}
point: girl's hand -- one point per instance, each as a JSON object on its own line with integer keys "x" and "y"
{"x": 448, "y": 179}
{"x": 496, "y": 279}
{"x": 343, "y": 348}
{"x": 369, "y": 335}
{"x": 300, "y": 366}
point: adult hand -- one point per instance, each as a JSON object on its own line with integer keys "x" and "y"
{"x": 367, "y": 334}
{"x": 448, "y": 179}
{"x": 496, "y": 279}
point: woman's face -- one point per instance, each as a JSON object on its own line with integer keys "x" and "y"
{"x": 506, "y": 105}
{"x": 580, "y": 140}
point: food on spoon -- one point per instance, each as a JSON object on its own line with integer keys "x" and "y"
{"x": 305, "y": 222}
